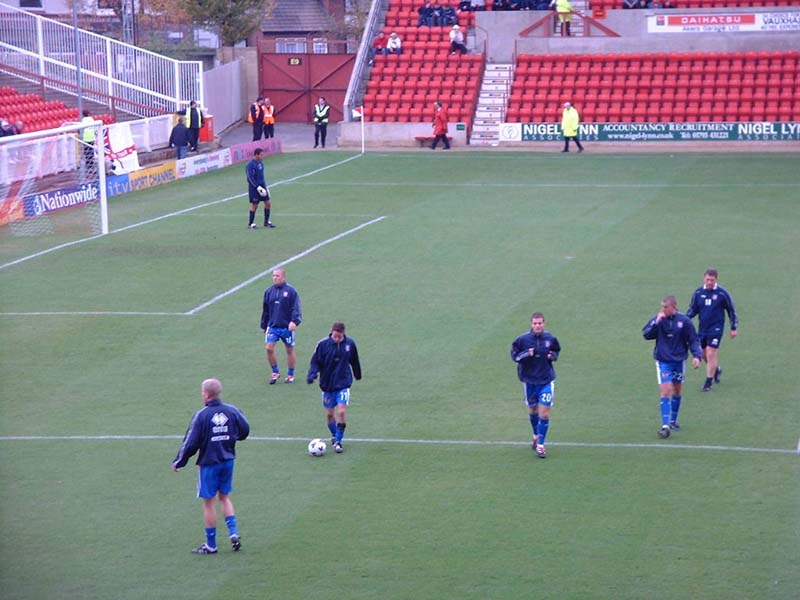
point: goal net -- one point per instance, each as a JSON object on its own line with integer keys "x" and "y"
{"x": 53, "y": 183}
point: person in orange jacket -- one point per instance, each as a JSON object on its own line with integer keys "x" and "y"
{"x": 440, "y": 126}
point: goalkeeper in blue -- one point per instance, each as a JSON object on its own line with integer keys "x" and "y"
{"x": 335, "y": 361}
{"x": 212, "y": 434}
{"x": 257, "y": 190}
{"x": 710, "y": 302}
{"x": 535, "y": 352}
{"x": 675, "y": 337}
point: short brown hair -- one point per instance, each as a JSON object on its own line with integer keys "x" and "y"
{"x": 537, "y": 315}
{"x": 338, "y": 326}
{"x": 712, "y": 272}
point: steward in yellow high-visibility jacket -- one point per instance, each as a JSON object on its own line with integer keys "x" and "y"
{"x": 570, "y": 121}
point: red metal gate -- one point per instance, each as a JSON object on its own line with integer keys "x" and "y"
{"x": 294, "y": 83}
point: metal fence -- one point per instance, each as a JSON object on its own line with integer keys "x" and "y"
{"x": 140, "y": 82}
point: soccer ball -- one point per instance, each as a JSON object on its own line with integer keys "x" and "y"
{"x": 317, "y": 447}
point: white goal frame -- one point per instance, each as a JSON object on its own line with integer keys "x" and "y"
{"x": 27, "y": 159}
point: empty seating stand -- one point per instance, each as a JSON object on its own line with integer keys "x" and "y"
{"x": 674, "y": 87}
{"x": 402, "y": 89}
{"x": 37, "y": 114}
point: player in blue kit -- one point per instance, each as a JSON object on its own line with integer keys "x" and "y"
{"x": 535, "y": 352}
{"x": 213, "y": 432}
{"x": 257, "y": 190}
{"x": 710, "y": 302}
{"x": 281, "y": 313}
{"x": 675, "y": 336}
{"x": 336, "y": 362}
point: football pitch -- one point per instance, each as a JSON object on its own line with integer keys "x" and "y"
{"x": 435, "y": 261}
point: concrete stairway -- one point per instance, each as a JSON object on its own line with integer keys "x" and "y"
{"x": 492, "y": 104}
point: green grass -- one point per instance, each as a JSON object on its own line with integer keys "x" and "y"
{"x": 434, "y": 294}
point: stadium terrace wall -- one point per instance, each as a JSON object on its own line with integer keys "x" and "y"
{"x": 656, "y": 132}
{"x": 395, "y": 134}
{"x": 499, "y": 32}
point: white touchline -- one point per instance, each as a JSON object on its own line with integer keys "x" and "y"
{"x": 255, "y": 278}
{"x": 172, "y": 214}
{"x": 654, "y": 445}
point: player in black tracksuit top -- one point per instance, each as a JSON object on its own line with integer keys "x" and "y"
{"x": 535, "y": 352}
{"x": 213, "y": 433}
{"x": 675, "y": 336}
{"x": 336, "y": 362}
{"x": 710, "y": 302}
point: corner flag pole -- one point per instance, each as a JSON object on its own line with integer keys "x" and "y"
{"x": 363, "y": 136}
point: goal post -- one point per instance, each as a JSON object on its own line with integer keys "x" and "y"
{"x": 53, "y": 183}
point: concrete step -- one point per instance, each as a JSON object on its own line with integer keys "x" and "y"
{"x": 495, "y": 87}
{"x": 499, "y": 67}
{"x": 491, "y": 102}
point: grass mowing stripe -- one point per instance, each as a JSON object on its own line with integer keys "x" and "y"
{"x": 272, "y": 438}
{"x": 556, "y": 185}
{"x": 168, "y": 215}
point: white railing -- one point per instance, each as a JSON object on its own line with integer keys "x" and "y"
{"x": 134, "y": 80}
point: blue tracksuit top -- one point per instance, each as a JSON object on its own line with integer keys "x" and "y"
{"x": 537, "y": 369}
{"x": 711, "y": 306}
{"x": 281, "y": 305}
{"x": 333, "y": 362}
{"x": 213, "y": 431}
{"x": 255, "y": 173}
{"x": 675, "y": 337}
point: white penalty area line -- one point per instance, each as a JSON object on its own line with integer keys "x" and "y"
{"x": 204, "y": 305}
{"x": 169, "y": 215}
{"x": 261, "y": 275}
{"x": 610, "y": 445}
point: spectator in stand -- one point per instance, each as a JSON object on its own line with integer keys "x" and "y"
{"x": 425, "y": 13}
{"x": 501, "y": 5}
{"x": 5, "y": 128}
{"x": 464, "y": 6}
{"x": 436, "y": 14}
{"x": 564, "y": 10}
{"x": 179, "y": 138}
{"x": 633, "y": 4}
{"x": 457, "y": 41}
{"x": 394, "y": 45}
{"x": 440, "y": 126}
{"x": 449, "y": 16}
{"x": 477, "y": 5}
{"x": 378, "y": 45}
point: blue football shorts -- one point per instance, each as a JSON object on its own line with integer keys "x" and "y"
{"x": 215, "y": 478}
{"x": 274, "y": 334}
{"x": 254, "y": 197}
{"x": 669, "y": 372}
{"x": 331, "y": 399}
{"x": 712, "y": 339}
{"x": 539, "y": 394}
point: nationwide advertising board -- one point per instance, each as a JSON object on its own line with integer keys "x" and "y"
{"x": 656, "y": 132}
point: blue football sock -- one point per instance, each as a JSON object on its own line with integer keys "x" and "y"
{"x": 276, "y": 368}
{"x": 231, "y": 522}
{"x": 534, "y": 422}
{"x": 544, "y": 425}
{"x": 340, "y": 427}
{"x": 676, "y": 406}
{"x": 291, "y": 371}
{"x": 665, "y": 410}
{"x": 332, "y": 428}
{"x": 211, "y": 537}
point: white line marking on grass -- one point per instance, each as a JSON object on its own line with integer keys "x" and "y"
{"x": 255, "y": 278}
{"x": 283, "y": 214}
{"x": 654, "y": 445}
{"x": 556, "y": 185}
{"x": 172, "y": 214}
{"x": 116, "y": 313}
